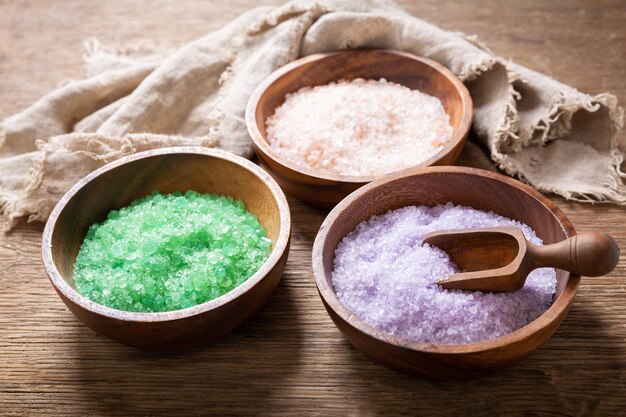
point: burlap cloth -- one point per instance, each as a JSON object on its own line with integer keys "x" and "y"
{"x": 546, "y": 133}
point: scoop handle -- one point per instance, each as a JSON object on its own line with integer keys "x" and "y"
{"x": 591, "y": 254}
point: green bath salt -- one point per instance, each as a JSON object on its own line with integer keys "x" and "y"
{"x": 170, "y": 251}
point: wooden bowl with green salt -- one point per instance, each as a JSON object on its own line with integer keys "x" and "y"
{"x": 148, "y": 250}
{"x": 363, "y": 119}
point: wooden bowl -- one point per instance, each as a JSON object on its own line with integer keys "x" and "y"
{"x": 476, "y": 188}
{"x": 400, "y": 67}
{"x": 170, "y": 169}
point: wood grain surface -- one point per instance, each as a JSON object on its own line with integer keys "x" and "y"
{"x": 290, "y": 359}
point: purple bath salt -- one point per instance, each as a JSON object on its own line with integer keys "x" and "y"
{"x": 387, "y": 278}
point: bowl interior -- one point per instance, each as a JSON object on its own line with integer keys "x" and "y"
{"x": 399, "y": 67}
{"x": 101, "y": 192}
{"x": 432, "y": 186}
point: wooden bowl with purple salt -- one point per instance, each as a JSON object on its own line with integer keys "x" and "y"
{"x": 187, "y": 177}
{"x": 378, "y": 281}
{"x": 326, "y": 124}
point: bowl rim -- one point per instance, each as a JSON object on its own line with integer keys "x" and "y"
{"x": 281, "y": 244}
{"x": 328, "y": 295}
{"x": 262, "y": 146}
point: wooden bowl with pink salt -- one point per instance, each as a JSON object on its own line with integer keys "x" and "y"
{"x": 377, "y": 280}
{"x": 328, "y": 123}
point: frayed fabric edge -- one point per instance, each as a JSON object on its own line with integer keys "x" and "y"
{"x": 7, "y": 206}
{"x": 92, "y": 47}
{"x": 506, "y": 137}
{"x": 557, "y": 123}
{"x": 97, "y": 58}
{"x": 10, "y": 209}
{"x": 614, "y": 188}
{"x": 506, "y": 142}
{"x": 476, "y": 70}
{"x": 276, "y": 16}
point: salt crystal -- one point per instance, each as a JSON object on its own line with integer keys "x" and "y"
{"x": 385, "y": 255}
{"x": 358, "y": 127}
{"x": 160, "y": 253}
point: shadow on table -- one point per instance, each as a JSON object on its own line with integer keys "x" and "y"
{"x": 476, "y": 155}
{"x": 233, "y": 375}
{"x": 578, "y": 372}
{"x": 263, "y": 368}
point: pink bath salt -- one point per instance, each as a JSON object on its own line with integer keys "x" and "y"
{"x": 386, "y": 277}
{"x": 358, "y": 127}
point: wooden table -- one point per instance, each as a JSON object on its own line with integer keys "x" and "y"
{"x": 290, "y": 359}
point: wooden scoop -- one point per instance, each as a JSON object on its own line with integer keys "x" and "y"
{"x": 500, "y": 258}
